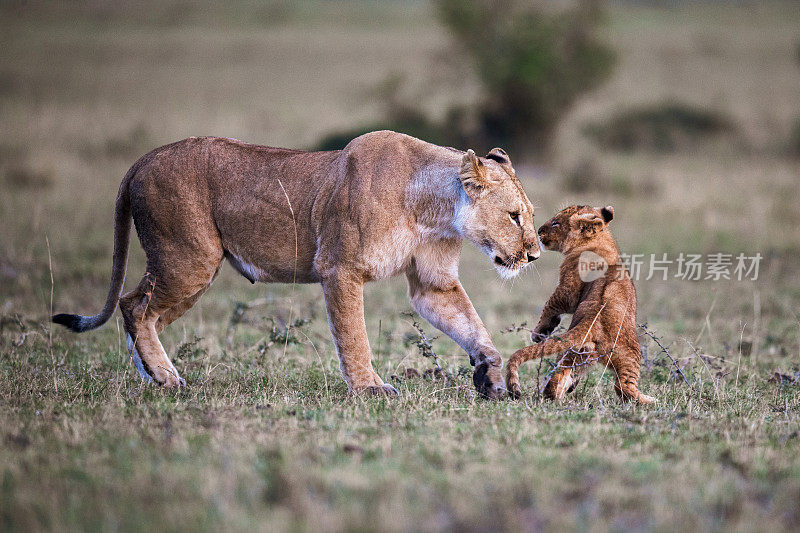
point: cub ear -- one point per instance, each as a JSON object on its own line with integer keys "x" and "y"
{"x": 473, "y": 172}
{"x": 588, "y": 222}
{"x": 500, "y": 155}
{"x": 608, "y": 213}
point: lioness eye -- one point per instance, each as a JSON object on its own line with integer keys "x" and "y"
{"x": 515, "y": 218}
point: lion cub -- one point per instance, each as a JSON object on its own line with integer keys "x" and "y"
{"x": 599, "y": 293}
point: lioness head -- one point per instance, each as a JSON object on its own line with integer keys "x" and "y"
{"x": 574, "y": 226}
{"x": 498, "y": 217}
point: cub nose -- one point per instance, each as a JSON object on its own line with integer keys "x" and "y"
{"x": 533, "y": 257}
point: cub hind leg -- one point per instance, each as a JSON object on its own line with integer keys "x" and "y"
{"x": 573, "y": 365}
{"x": 626, "y": 365}
{"x": 575, "y": 338}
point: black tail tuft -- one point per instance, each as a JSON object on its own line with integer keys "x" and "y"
{"x": 73, "y": 322}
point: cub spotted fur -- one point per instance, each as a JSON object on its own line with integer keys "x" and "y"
{"x": 386, "y": 204}
{"x": 603, "y": 307}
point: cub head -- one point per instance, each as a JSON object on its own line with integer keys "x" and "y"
{"x": 575, "y": 226}
{"x": 496, "y": 215}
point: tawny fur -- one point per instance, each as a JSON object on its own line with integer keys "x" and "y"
{"x": 386, "y": 204}
{"x": 603, "y": 328}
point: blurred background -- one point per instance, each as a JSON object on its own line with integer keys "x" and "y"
{"x": 683, "y": 115}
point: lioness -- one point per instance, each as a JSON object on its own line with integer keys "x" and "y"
{"x": 387, "y": 203}
{"x": 602, "y": 301}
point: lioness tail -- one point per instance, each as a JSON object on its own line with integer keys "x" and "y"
{"x": 122, "y": 231}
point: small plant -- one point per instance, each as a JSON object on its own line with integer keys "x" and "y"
{"x": 190, "y": 350}
{"x": 421, "y": 341}
{"x": 283, "y": 334}
{"x": 25, "y": 178}
{"x": 584, "y": 176}
{"x": 587, "y": 175}
{"x": 797, "y": 53}
{"x": 514, "y": 328}
{"x": 665, "y": 351}
{"x": 400, "y": 115}
{"x": 278, "y": 334}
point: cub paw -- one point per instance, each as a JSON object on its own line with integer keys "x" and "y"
{"x": 644, "y": 399}
{"x": 549, "y": 392}
{"x": 537, "y": 337}
{"x": 514, "y": 391}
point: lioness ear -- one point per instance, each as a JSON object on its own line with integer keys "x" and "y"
{"x": 500, "y": 155}
{"x": 588, "y": 222}
{"x": 608, "y": 213}
{"x": 473, "y": 172}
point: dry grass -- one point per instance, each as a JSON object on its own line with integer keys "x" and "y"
{"x": 265, "y": 436}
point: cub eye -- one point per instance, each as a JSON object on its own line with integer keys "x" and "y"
{"x": 555, "y": 224}
{"x": 515, "y": 218}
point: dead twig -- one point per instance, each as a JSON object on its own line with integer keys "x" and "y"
{"x": 422, "y": 341}
{"x": 663, "y": 349}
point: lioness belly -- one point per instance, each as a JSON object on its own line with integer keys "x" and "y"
{"x": 266, "y": 271}
{"x": 264, "y": 242}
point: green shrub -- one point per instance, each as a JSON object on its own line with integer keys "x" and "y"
{"x": 533, "y": 61}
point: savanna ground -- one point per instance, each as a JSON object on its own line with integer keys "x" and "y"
{"x": 265, "y": 436}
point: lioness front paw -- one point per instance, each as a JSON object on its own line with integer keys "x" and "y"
{"x": 378, "y": 390}
{"x": 170, "y": 380}
{"x": 488, "y": 381}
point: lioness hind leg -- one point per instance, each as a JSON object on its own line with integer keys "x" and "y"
{"x": 148, "y": 309}
{"x": 140, "y": 313}
{"x": 176, "y": 311}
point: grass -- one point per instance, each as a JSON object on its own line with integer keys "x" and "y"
{"x": 265, "y": 436}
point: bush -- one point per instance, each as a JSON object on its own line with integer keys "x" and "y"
{"x": 533, "y": 63}
{"x": 661, "y": 127}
